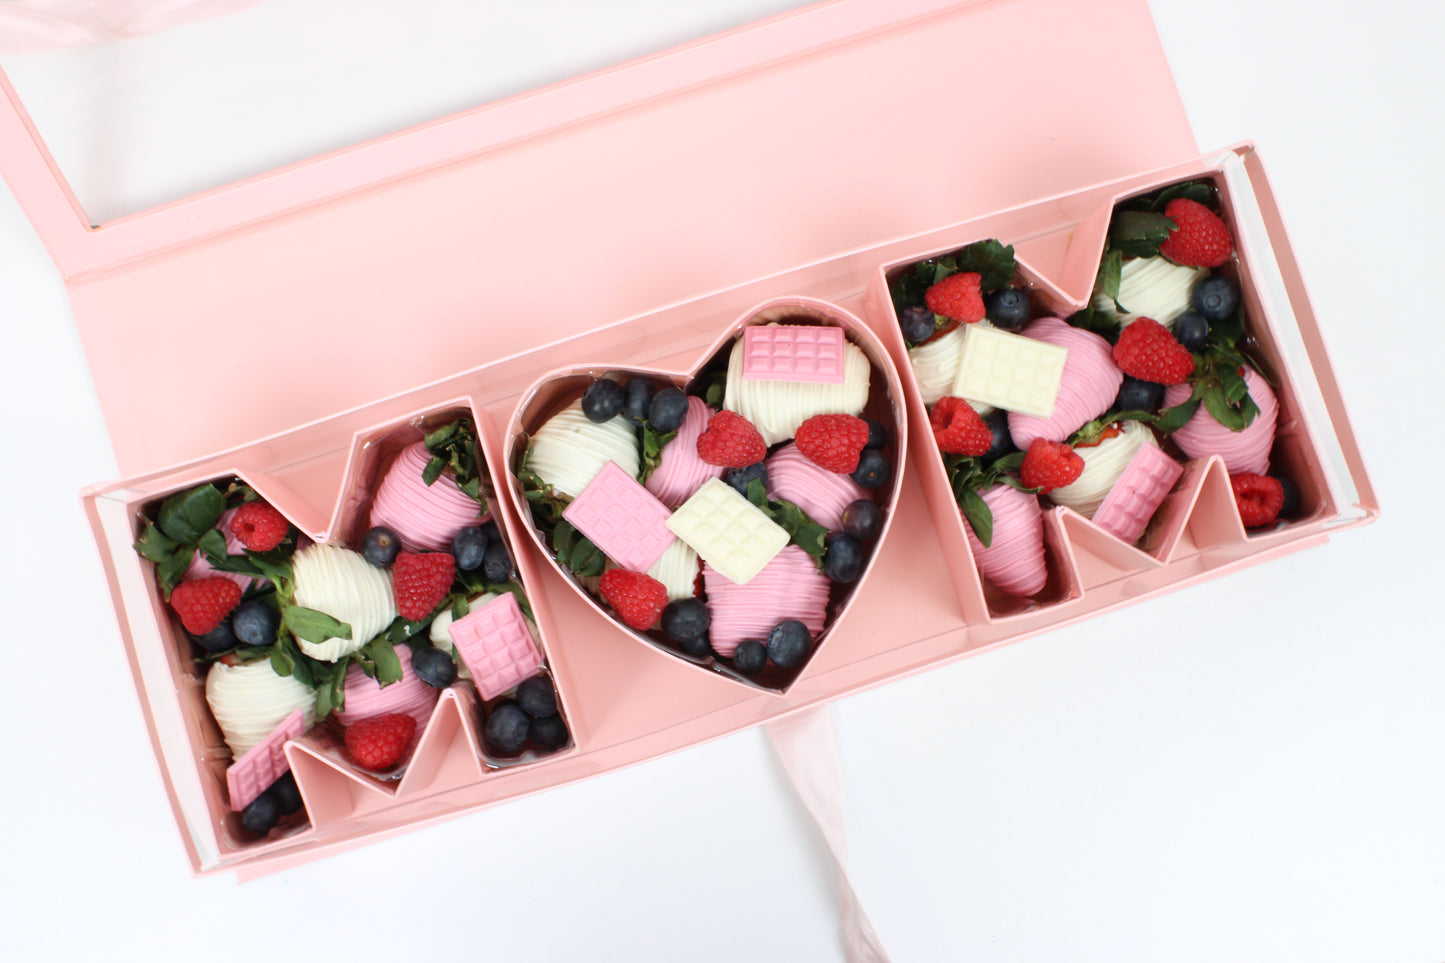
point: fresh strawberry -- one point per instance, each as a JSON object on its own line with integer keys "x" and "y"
{"x": 833, "y": 442}
{"x": 1259, "y": 498}
{"x": 421, "y": 581}
{"x": 957, "y": 296}
{"x": 958, "y": 429}
{"x": 1147, "y": 351}
{"x": 259, "y": 526}
{"x": 638, "y": 599}
{"x": 378, "y": 743}
{"x": 731, "y": 440}
{"x": 203, "y": 603}
{"x": 1050, "y": 464}
{"x": 1201, "y": 239}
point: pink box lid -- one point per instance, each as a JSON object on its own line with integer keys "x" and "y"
{"x": 316, "y": 241}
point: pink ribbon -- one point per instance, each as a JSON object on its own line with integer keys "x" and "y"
{"x": 808, "y": 747}
{"x": 28, "y": 26}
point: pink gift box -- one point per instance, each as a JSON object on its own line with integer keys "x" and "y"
{"x": 466, "y": 186}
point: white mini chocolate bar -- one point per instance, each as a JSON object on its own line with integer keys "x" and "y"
{"x": 1010, "y": 371}
{"x": 728, "y": 531}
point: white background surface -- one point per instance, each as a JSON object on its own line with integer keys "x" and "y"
{"x": 1253, "y": 769}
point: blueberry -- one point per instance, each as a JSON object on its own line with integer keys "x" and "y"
{"x": 1289, "y": 508}
{"x": 286, "y": 794}
{"x": 1216, "y": 297}
{"x": 668, "y": 410}
{"x": 1007, "y": 309}
{"x": 603, "y": 400}
{"x": 877, "y": 436}
{"x": 549, "y": 733}
{"x": 863, "y": 519}
{"x": 261, "y": 815}
{"x": 844, "y": 559}
{"x": 788, "y": 643}
{"x": 749, "y": 658}
{"x": 506, "y": 730}
{"x": 219, "y": 639}
{"x": 469, "y": 547}
{"x": 434, "y": 667}
{"x": 916, "y": 323}
{"x": 638, "y": 400}
{"x": 1003, "y": 442}
{"x": 537, "y": 697}
{"x": 1191, "y": 329}
{"x": 686, "y": 620}
{"x": 497, "y": 563}
{"x": 873, "y": 469}
{"x": 489, "y": 529}
{"x": 380, "y": 546}
{"x": 1136, "y": 395}
{"x": 739, "y": 478}
{"x": 256, "y": 622}
{"x": 698, "y": 647}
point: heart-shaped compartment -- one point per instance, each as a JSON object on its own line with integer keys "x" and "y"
{"x": 251, "y": 723}
{"x": 792, "y": 585}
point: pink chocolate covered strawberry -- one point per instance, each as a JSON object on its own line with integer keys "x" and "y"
{"x": 1012, "y": 554}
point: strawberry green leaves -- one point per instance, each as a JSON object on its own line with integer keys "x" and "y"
{"x": 575, "y": 552}
{"x": 188, "y": 515}
{"x": 653, "y": 442}
{"x": 802, "y": 530}
{"x": 969, "y": 476}
{"x": 992, "y": 261}
{"x": 453, "y": 448}
{"x": 1138, "y": 234}
{"x": 182, "y": 522}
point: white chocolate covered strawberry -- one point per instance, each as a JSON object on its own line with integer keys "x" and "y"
{"x": 1151, "y": 287}
{"x": 1104, "y": 462}
{"x": 569, "y": 450}
{"x": 935, "y": 367}
{"x": 777, "y": 408}
{"x": 345, "y": 586}
{"x": 250, "y": 700}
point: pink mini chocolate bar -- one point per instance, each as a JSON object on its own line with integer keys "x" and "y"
{"x": 254, "y": 772}
{"x": 1135, "y": 497}
{"x": 622, "y": 518}
{"x": 496, "y": 644}
{"x": 793, "y": 352}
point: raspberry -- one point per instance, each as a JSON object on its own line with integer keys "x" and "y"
{"x": 378, "y": 743}
{"x": 637, "y": 598}
{"x": 1049, "y": 465}
{"x": 259, "y": 526}
{"x": 420, "y": 582}
{"x": 1201, "y": 239}
{"x": 1147, "y": 351}
{"x": 731, "y": 440}
{"x": 833, "y": 442}
{"x": 958, "y": 429}
{"x": 1259, "y": 498}
{"x": 957, "y": 296}
{"x": 204, "y": 603}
